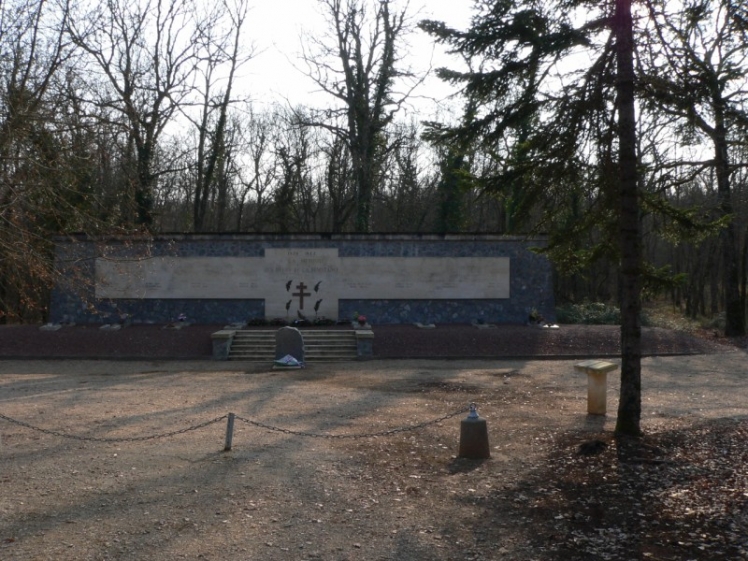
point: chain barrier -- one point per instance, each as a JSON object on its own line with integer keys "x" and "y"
{"x": 387, "y": 432}
{"x": 114, "y": 440}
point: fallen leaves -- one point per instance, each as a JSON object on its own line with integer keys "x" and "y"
{"x": 682, "y": 491}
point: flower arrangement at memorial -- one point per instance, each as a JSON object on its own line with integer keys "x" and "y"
{"x": 360, "y": 318}
{"x": 536, "y": 319}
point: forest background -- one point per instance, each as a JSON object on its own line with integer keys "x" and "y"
{"x": 132, "y": 118}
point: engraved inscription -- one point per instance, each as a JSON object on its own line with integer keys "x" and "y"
{"x": 292, "y": 281}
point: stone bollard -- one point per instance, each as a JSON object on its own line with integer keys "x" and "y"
{"x": 364, "y": 343}
{"x": 474, "y": 436}
{"x": 597, "y": 384}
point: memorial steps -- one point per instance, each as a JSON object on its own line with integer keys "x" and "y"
{"x": 319, "y": 345}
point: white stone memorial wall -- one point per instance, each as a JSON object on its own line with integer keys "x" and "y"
{"x": 304, "y": 282}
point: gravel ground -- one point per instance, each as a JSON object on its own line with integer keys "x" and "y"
{"x": 344, "y": 478}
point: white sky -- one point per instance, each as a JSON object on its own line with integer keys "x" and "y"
{"x": 276, "y": 28}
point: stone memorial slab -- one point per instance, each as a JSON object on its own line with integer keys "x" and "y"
{"x": 305, "y": 283}
{"x": 288, "y": 341}
{"x": 279, "y": 279}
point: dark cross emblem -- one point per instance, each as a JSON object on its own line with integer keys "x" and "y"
{"x": 301, "y": 286}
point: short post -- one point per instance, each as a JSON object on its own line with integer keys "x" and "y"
{"x": 474, "y": 436}
{"x": 222, "y": 341}
{"x": 229, "y": 432}
{"x": 597, "y": 384}
{"x": 364, "y": 343}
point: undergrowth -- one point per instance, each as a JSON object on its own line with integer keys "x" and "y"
{"x": 589, "y": 313}
{"x": 654, "y": 314}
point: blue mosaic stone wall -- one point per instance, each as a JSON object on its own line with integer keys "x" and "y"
{"x": 73, "y": 299}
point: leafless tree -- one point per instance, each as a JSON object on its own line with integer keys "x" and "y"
{"x": 220, "y": 40}
{"x": 37, "y": 183}
{"x": 695, "y": 71}
{"x": 259, "y": 173}
{"x": 358, "y": 64}
{"x": 406, "y": 199}
{"x": 146, "y": 53}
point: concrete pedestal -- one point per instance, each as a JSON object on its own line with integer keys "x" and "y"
{"x": 597, "y": 384}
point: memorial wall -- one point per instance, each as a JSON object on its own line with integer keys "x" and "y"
{"x": 236, "y": 278}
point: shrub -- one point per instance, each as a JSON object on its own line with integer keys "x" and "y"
{"x": 589, "y": 313}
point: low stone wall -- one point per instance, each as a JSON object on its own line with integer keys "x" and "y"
{"x": 74, "y": 298}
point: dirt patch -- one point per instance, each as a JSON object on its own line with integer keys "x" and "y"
{"x": 315, "y": 490}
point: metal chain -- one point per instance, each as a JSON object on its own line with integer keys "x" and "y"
{"x": 258, "y": 424}
{"x": 128, "y": 439}
{"x": 387, "y": 432}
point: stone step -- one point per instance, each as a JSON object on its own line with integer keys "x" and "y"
{"x": 319, "y": 346}
{"x": 308, "y": 347}
{"x": 261, "y": 357}
{"x": 333, "y": 334}
{"x": 309, "y": 353}
{"x": 307, "y": 342}
{"x": 309, "y": 360}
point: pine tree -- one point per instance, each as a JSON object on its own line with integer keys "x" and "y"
{"x": 583, "y": 126}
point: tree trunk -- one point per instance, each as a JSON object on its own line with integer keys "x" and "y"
{"x": 714, "y": 269}
{"x": 144, "y": 187}
{"x": 734, "y": 306}
{"x": 744, "y": 270}
{"x": 364, "y": 192}
{"x": 629, "y": 408}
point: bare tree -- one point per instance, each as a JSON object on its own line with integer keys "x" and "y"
{"x": 258, "y": 174}
{"x": 221, "y": 51}
{"x": 39, "y": 194}
{"x": 696, "y": 71}
{"x": 407, "y": 194}
{"x": 357, "y": 63}
{"x": 338, "y": 182}
{"x": 293, "y": 150}
{"x": 146, "y": 52}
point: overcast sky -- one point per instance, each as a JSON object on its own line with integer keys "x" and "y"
{"x": 276, "y": 28}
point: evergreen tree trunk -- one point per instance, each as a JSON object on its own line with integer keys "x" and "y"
{"x": 734, "y": 305}
{"x": 629, "y": 408}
